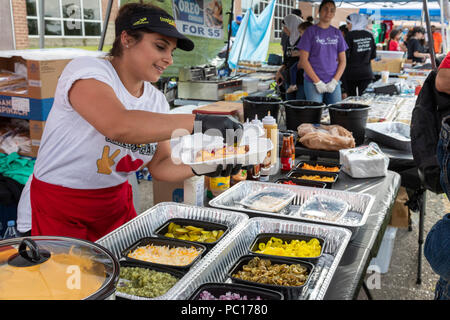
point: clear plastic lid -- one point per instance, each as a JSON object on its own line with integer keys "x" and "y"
{"x": 268, "y": 199}
{"x": 55, "y": 268}
{"x": 324, "y": 208}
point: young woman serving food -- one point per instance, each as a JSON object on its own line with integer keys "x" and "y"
{"x": 106, "y": 122}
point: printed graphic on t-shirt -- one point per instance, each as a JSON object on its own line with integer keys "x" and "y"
{"x": 127, "y": 164}
{"x": 363, "y": 44}
{"x": 144, "y": 149}
{"x": 327, "y": 41}
{"x": 105, "y": 163}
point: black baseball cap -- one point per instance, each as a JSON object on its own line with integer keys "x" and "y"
{"x": 157, "y": 21}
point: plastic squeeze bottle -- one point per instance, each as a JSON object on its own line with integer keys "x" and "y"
{"x": 271, "y": 128}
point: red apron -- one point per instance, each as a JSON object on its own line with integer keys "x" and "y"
{"x": 79, "y": 213}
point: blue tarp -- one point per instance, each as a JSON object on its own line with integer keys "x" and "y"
{"x": 253, "y": 37}
{"x": 402, "y": 14}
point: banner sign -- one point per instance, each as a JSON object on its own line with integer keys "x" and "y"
{"x": 201, "y": 18}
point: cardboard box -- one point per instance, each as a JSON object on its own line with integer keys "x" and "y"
{"x": 36, "y": 131}
{"x": 400, "y": 212}
{"x": 167, "y": 191}
{"x": 25, "y": 108}
{"x": 43, "y": 69}
{"x": 391, "y": 65}
{"x": 42, "y": 75}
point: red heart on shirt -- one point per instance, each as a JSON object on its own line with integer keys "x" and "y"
{"x": 127, "y": 164}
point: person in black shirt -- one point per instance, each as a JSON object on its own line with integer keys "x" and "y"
{"x": 361, "y": 50}
{"x": 416, "y": 51}
{"x": 291, "y": 23}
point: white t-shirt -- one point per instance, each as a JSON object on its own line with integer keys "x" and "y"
{"x": 73, "y": 153}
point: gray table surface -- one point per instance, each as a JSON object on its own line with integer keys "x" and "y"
{"x": 349, "y": 275}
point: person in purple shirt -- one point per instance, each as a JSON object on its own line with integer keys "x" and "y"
{"x": 322, "y": 56}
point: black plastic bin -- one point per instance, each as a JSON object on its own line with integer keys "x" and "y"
{"x": 206, "y": 225}
{"x": 351, "y": 116}
{"x": 171, "y": 243}
{"x": 285, "y": 237}
{"x": 297, "y": 173}
{"x": 302, "y": 111}
{"x": 158, "y": 268}
{"x": 218, "y": 289}
{"x": 254, "y": 105}
{"x": 289, "y": 292}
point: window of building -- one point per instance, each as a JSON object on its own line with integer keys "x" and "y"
{"x": 282, "y": 9}
{"x": 66, "y": 18}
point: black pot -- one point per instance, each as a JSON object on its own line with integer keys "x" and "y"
{"x": 260, "y": 106}
{"x": 351, "y": 116}
{"x": 302, "y": 111}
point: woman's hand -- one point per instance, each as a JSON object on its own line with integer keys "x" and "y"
{"x": 321, "y": 87}
{"x": 228, "y": 127}
{"x": 230, "y": 170}
{"x": 278, "y": 76}
{"x": 331, "y": 86}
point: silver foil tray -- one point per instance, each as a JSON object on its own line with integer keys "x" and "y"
{"x": 358, "y": 211}
{"x": 391, "y": 134}
{"x": 145, "y": 224}
{"x": 215, "y": 267}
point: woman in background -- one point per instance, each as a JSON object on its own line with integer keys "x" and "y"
{"x": 361, "y": 50}
{"x": 416, "y": 50}
{"x": 394, "y": 40}
{"x": 322, "y": 56}
{"x": 291, "y": 23}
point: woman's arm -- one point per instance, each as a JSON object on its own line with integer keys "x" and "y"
{"x": 162, "y": 168}
{"x": 98, "y": 104}
{"x": 279, "y": 76}
{"x": 342, "y": 62}
{"x": 304, "y": 64}
{"x": 418, "y": 54}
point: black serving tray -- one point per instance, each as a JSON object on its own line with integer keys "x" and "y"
{"x": 252, "y": 292}
{"x": 289, "y": 292}
{"x": 171, "y": 243}
{"x": 160, "y": 268}
{"x": 321, "y": 163}
{"x": 305, "y": 183}
{"x": 264, "y": 237}
{"x": 299, "y": 172}
{"x": 208, "y": 226}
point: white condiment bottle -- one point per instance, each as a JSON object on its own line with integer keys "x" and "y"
{"x": 194, "y": 190}
{"x": 271, "y": 127}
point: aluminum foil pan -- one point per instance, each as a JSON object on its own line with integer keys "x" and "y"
{"x": 145, "y": 224}
{"x": 215, "y": 266}
{"x": 391, "y": 134}
{"x": 356, "y": 216}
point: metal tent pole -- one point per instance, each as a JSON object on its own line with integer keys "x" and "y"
{"x": 443, "y": 27}
{"x": 105, "y": 25}
{"x": 430, "y": 36}
{"x": 229, "y": 32}
{"x": 41, "y": 24}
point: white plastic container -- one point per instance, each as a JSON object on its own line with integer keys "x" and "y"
{"x": 194, "y": 191}
{"x": 382, "y": 261}
{"x": 250, "y": 85}
{"x": 389, "y": 55}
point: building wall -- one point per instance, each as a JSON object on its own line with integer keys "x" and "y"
{"x": 341, "y": 13}
{"x": 7, "y": 34}
{"x": 20, "y": 23}
{"x": 23, "y": 41}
